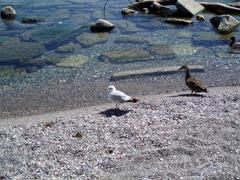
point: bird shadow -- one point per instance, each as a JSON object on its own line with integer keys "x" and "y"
{"x": 189, "y": 95}
{"x": 114, "y": 112}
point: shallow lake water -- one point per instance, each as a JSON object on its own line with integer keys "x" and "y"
{"x": 58, "y": 63}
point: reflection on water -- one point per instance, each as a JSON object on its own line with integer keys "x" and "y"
{"x": 62, "y": 47}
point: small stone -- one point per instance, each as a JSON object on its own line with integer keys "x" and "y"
{"x": 200, "y": 17}
{"x": 102, "y": 25}
{"x": 8, "y": 12}
{"x": 126, "y": 11}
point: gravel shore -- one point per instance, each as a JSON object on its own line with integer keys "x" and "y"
{"x": 171, "y": 136}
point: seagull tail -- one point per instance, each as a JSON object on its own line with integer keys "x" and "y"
{"x": 134, "y": 100}
{"x": 205, "y": 90}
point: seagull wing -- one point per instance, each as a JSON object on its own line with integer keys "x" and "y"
{"x": 119, "y": 96}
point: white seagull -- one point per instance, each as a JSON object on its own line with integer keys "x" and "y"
{"x": 119, "y": 96}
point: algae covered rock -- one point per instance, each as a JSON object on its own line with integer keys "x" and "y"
{"x": 163, "y": 50}
{"x": 184, "y": 49}
{"x": 15, "y": 49}
{"x": 126, "y": 55}
{"x": 69, "y": 48}
{"x": 73, "y": 61}
{"x": 9, "y": 71}
{"x": 89, "y": 39}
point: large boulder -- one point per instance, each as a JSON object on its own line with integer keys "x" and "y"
{"x": 102, "y": 25}
{"x": 8, "y": 12}
{"x": 225, "y": 23}
{"x": 189, "y": 7}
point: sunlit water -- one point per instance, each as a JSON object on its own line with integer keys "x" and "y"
{"x": 57, "y": 61}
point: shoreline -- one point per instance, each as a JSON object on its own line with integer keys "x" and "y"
{"x": 20, "y": 120}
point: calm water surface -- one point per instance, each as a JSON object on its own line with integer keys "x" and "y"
{"x": 58, "y": 63}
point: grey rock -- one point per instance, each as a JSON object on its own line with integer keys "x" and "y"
{"x": 161, "y": 10}
{"x": 220, "y": 8}
{"x": 178, "y": 21}
{"x": 102, "y": 25}
{"x": 225, "y": 23}
{"x": 8, "y": 12}
{"x": 189, "y": 7}
{"x": 126, "y": 11}
{"x": 200, "y": 17}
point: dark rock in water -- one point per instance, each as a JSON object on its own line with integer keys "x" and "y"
{"x": 126, "y": 11}
{"x": 102, "y": 26}
{"x": 8, "y": 12}
{"x": 225, "y": 23}
{"x": 162, "y": 10}
{"x": 189, "y": 7}
{"x": 200, "y": 17}
{"x": 219, "y": 8}
{"x": 31, "y": 20}
{"x": 178, "y": 21}
{"x": 235, "y": 4}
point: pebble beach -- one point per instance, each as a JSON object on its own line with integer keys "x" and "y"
{"x": 167, "y": 136}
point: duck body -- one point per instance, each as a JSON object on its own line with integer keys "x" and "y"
{"x": 195, "y": 85}
{"x": 233, "y": 44}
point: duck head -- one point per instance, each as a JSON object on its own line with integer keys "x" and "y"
{"x": 111, "y": 88}
{"x": 232, "y": 41}
{"x": 183, "y": 68}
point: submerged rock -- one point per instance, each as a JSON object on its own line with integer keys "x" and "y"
{"x": 163, "y": 50}
{"x": 73, "y": 61}
{"x": 178, "y": 21}
{"x": 89, "y": 39}
{"x": 31, "y": 20}
{"x": 14, "y": 49}
{"x": 69, "y": 48}
{"x": 189, "y": 7}
{"x": 9, "y": 71}
{"x": 126, "y": 55}
{"x": 225, "y": 23}
{"x": 8, "y": 12}
{"x": 184, "y": 49}
{"x": 102, "y": 25}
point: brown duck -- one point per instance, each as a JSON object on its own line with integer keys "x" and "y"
{"x": 233, "y": 44}
{"x": 194, "y": 84}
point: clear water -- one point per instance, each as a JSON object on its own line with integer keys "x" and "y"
{"x": 61, "y": 49}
